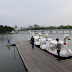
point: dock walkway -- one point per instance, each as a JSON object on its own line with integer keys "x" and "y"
{"x": 37, "y": 60}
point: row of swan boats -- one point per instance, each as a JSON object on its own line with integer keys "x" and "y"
{"x": 50, "y": 45}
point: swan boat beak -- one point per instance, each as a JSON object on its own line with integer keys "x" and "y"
{"x": 46, "y": 36}
{"x": 68, "y": 38}
{"x": 40, "y": 35}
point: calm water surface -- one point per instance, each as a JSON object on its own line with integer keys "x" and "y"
{"x": 10, "y": 60}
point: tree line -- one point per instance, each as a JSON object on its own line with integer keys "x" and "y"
{"x": 51, "y": 27}
{"x": 5, "y": 29}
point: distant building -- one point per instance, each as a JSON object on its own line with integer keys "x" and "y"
{"x": 51, "y": 26}
{"x": 61, "y": 25}
{"x": 15, "y": 27}
{"x": 35, "y": 26}
{"x": 21, "y": 28}
{"x": 30, "y": 26}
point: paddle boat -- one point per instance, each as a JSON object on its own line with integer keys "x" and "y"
{"x": 65, "y": 50}
{"x": 44, "y": 42}
{"x": 9, "y": 43}
{"x": 30, "y": 35}
{"x": 37, "y": 40}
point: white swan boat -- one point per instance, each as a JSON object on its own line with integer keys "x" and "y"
{"x": 37, "y": 40}
{"x": 30, "y": 35}
{"x": 44, "y": 42}
{"x": 65, "y": 50}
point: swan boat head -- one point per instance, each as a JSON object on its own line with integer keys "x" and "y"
{"x": 66, "y": 36}
{"x": 46, "y": 39}
{"x": 30, "y": 35}
{"x": 29, "y": 32}
{"x": 46, "y": 35}
{"x": 37, "y": 39}
{"x": 39, "y": 35}
{"x": 33, "y": 34}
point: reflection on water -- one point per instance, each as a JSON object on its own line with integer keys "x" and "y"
{"x": 13, "y": 50}
{"x": 14, "y": 53}
{"x": 8, "y": 47}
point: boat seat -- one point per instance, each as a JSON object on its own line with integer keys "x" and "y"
{"x": 53, "y": 48}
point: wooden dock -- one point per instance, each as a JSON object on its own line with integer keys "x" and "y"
{"x": 37, "y": 60}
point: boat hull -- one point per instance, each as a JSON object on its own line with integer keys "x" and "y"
{"x": 9, "y": 44}
{"x": 57, "y": 55}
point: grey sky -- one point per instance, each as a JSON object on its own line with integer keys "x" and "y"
{"x": 28, "y": 12}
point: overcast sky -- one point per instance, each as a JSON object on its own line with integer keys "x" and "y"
{"x": 42, "y": 12}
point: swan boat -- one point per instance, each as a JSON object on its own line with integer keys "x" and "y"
{"x": 37, "y": 40}
{"x": 30, "y": 35}
{"x": 44, "y": 42}
{"x": 65, "y": 50}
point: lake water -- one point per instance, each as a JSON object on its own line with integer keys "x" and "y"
{"x": 10, "y": 60}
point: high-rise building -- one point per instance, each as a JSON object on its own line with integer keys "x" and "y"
{"x": 35, "y": 26}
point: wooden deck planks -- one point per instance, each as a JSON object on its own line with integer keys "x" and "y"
{"x": 37, "y": 60}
